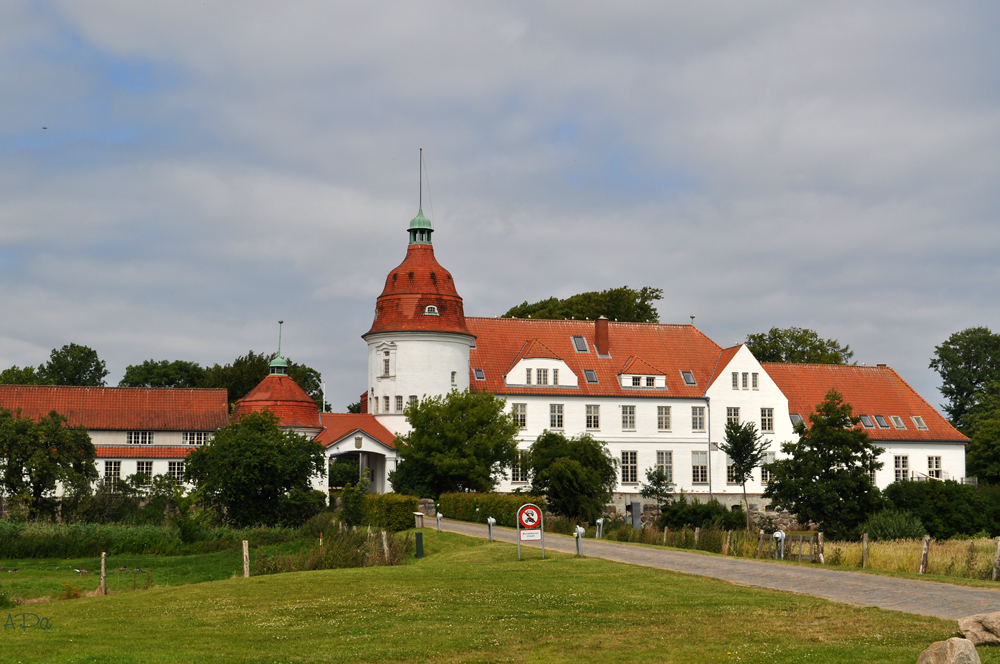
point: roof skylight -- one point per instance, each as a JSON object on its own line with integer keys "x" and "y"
{"x": 688, "y": 378}
{"x": 919, "y": 422}
{"x": 795, "y": 418}
{"x": 897, "y": 421}
{"x": 866, "y": 422}
{"x": 580, "y": 344}
{"x": 480, "y": 374}
{"x": 882, "y": 424}
{"x": 590, "y": 375}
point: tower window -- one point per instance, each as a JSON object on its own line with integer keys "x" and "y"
{"x": 431, "y": 310}
{"x": 454, "y": 378}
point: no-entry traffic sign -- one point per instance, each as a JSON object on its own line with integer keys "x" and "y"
{"x": 530, "y": 527}
{"x": 529, "y": 516}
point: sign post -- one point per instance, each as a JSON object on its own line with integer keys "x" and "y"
{"x": 530, "y": 527}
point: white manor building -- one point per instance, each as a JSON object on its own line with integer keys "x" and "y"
{"x": 657, "y": 394}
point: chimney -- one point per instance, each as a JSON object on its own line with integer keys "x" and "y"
{"x": 601, "y": 336}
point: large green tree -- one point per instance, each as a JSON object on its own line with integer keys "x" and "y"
{"x": 35, "y": 456}
{"x": 746, "y": 450}
{"x": 463, "y": 441}
{"x": 982, "y": 425}
{"x": 16, "y": 375}
{"x": 254, "y": 472}
{"x": 622, "y": 304}
{"x": 73, "y": 365}
{"x": 576, "y": 475}
{"x": 163, "y": 373}
{"x": 246, "y": 372}
{"x": 826, "y": 478}
{"x": 797, "y": 345}
{"x": 967, "y": 362}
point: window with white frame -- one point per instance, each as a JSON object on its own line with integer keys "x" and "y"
{"x": 527, "y": 377}
{"x": 732, "y": 415}
{"x": 139, "y": 437}
{"x": 746, "y": 380}
{"x": 698, "y": 418}
{"x": 399, "y": 403}
{"x": 556, "y": 416}
{"x": 431, "y": 310}
{"x": 902, "y": 466}
{"x": 519, "y": 471}
{"x": 767, "y": 419}
{"x": 385, "y": 365}
{"x": 918, "y": 422}
{"x": 385, "y": 404}
{"x": 731, "y": 477}
{"x": 765, "y": 468}
{"x": 413, "y": 398}
{"x": 628, "y": 418}
{"x": 195, "y": 437}
{"x": 753, "y": 381}
{"x": 144, "y": 468}
{"x": 663, "y": 418}
{"x": 112, "y": 473}
{"x": 521, "y": 415}
{"x": 636, "y": 381}
{"x": 736, "y": 380}
{"x": 871, "y": 476}
{"x": 650, "y": 381}
{"x": 934, "y": 467}
{"x": 699, "y": 467}
{"x": 665, "y": 463}
{"x": 175, "y": 469}
{"x": 375, "y": 402}
{"x": 555, "y": 376}
{"x": 542, "y": 377}
{"x": 593, "y": 416}
{"x": 630, "y": 469}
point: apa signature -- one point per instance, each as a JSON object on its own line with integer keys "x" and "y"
{"x": 27, "y": 621}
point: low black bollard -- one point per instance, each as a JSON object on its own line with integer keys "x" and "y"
{"x": 420, "y": 545}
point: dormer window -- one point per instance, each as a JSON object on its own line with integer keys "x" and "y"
{"x": 688, "y": 378}
{"x": 431, "y": 310}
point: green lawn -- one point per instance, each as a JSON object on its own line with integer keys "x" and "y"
{"x": 469, "y": 600}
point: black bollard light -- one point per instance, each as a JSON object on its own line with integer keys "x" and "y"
{"x": 420, "y": 545}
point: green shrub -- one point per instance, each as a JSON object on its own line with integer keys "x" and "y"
{"x": 352, "y": 502}
{"x": 695, "y": 514}
{"x": 391, "y": 511}
{"x": 301, "y": 505}
{"x": 341, "y": 549}
{"x": 893, "y": 525}
{"x": 946, "y": 508}
{"x": 477, "y": 507}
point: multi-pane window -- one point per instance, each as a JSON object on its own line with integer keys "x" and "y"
{"x": 628, "y": 417}
{"x": 871, "y": 476}
{"x": 636, "y": 381}
{"x": 399, "y": 403}
{"x": 732, "y": 415}
{"x": 736, "y": 380}
{"x": 593, "y": 417}
{"x": 519, "y": 471}
{"x": 385, "y": 404}
{"x": 731, "y": 477}
{"x": 934, "y": 467}
{"x": 413, "y": 398}
{"x": 765, "y": 468}
{"x": 144, "y": 468}
{"x": 902, "y": 466}
{"x": 555, "y": 376}
{"x": 139, "y": 437}
{"x": 746, "y": 380}
{"x": 385, "y": 366}
{"x": 753, "y": 378}
{"x": 195, "y": 437}
{"x": 663, "y": 418}
{"x": 630, "y": 469}
{"x": 521, "y": 415}
{"x": 556, "y": 416}
{"x": 175, "y": 469}
{"x": 542, "y": 376}
{"x": 699, "y": 467}
{"x": 650, "y": 381}
{"x": 767, "y": 419}
{"x": 112, "y": 473}
{"x": 698, "y": 419}
{"x": 527, "y": 377}
{"x": 665, "y": 463}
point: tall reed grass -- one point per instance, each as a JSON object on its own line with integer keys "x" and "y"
{"x": 364, "y": 547}
{"x": 970, "y": 559}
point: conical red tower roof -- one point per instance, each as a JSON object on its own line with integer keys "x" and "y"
{"x": 419, "y": 295}
{"x": 282, "y": 396}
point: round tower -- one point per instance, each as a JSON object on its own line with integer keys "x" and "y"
{"x": 418, "y": 344}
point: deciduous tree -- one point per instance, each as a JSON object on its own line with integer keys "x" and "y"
{"x": 826, "y": 477}
{"x": 967, "y": 362}
{"x": 576, "y": 475}
{"x": 658, "y": 487}
{"x": 19, "y": 376}
{"x": 462, "y": 441}
{"x": 246, "y": 372}
{"x": 164, "y": 373}
{"x": 746, "y": 449}
{"x": 73, "y": 365}
{"x": 797, "y": 345}
{"x": 622, "y": 304}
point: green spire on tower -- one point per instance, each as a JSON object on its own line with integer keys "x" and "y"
{"x": 279, "y": 365}
{"x": 420, "y": 229}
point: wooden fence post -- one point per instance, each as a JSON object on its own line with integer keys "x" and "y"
{"x": 923, "y": 556}
{"x": 385, "y": 547}
{"x": 864, "y": 551}
{"x": 996, "y": 560}
{"x": 725, "y": 545}
{"x": 104, "y": 573}
{"x": 665, "y": 529}
{"x": 760, "y": 543}
{"x": 801, "y": 540}
{"x": 246, "y": 559}
{"x": 819, "y": 548}
{"x": 697, "y": 536}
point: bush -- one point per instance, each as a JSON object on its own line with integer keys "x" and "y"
{"x": 696, "y": 514}
{"x": 391, "y": 511}
{"x": 5, "y": 601}
{"x": 301, "y": 505}
{"x": 893, "y": 525}
{"x": 352, "y": 502}
{"x": 477, "y": 507}
{"x": 945, "y": 508}
{"x": 340, "y": 550}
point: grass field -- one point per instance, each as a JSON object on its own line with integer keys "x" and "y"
{"x": 468, "y": 600}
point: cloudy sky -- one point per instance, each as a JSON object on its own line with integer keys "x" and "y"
{"x": 177, "y": 176}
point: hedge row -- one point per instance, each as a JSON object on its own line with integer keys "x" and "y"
{"x": 391, "y": 511}
{"x": 477, "y": 507}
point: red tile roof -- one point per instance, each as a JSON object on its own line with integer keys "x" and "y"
{"x": 535, "y": 349}
{"x": 142, "y": 452}
{"x": 282, "y": 396}
{"x": 672, "y": 348}
{"x": 725, "y": 357}
{"x": 340, "y": 425}
{"x": 870, "y": 391}
{"x": 419, "y": 281}
{"x": 122, "y": 408}
{"x": 637, "y": 365}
